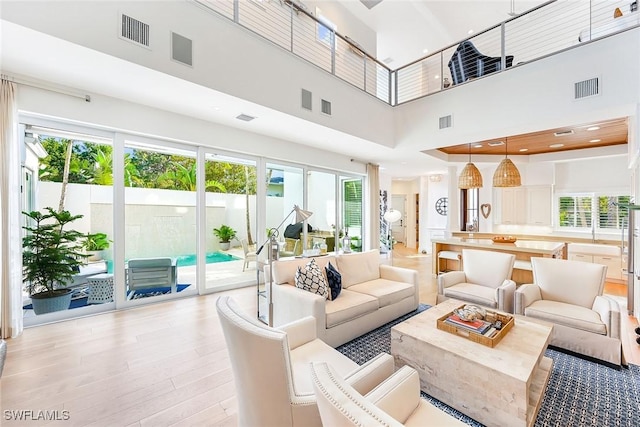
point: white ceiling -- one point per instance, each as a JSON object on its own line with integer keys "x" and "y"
{"x": 405, "y": 28}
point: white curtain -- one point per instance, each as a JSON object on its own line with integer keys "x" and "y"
{"x": 373, "y": 175}
{"x": 10, "y": 232}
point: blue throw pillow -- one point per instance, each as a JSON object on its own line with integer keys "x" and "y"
{"x": 335, "y": 281}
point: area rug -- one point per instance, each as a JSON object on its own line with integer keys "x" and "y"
{"x": 579, "y": 392}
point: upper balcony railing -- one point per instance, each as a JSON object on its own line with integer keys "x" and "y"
{"x": 550, "y": 28}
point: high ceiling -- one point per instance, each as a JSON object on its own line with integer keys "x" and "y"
{"x": 410, "y": 29}
{"x": 405, "y": 27}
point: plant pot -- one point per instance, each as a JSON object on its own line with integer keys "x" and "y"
{"x": 94, "y": 255}
{"x": 43, "y": 302}
{"x": 225, "y": 246}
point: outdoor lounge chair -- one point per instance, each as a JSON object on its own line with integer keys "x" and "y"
{"x": 249, "y": 256}
{"x": 145, "y": 273}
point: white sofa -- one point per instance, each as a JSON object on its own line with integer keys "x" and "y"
{"x": 372, "y": 295}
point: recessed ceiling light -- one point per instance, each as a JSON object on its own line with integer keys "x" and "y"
{"x": 496, "y": 143}
{"x": 477, "y": 146}
{"x": 216, "y": 108}
{"x": 436, "y": 77}
{"x": 593, "y": 128}
{"x": 524, "y": 149}
{"x": 556, "y": 145}
{"x": 595, "y": 140}
{"x": 425, "y": 50}
{"x": 470, "y": 32}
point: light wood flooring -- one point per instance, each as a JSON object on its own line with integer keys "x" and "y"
{"x": 158, "y": 365}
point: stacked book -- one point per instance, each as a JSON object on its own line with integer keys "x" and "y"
{"x": 481, "y": 327}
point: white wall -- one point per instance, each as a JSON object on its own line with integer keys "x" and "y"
{"x": 115, "y": 114}
{"x": 226, "y": 58}
{"x": 538, "y": 95}
{"x": 609, "y": 174}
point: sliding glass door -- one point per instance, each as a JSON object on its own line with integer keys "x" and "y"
{"x": 230, "y": 221}
{"x": 159, "y": 220}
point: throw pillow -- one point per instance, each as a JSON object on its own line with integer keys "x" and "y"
{"x": 310, "y": 278}
{"x": 335, "y": 281}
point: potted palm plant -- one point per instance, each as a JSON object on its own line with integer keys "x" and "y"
{"x": 225, "y": 234}
{"x": 94, "y": 244}
{"x": 51, "y": 256}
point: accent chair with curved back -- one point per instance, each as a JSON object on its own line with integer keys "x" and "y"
{"x": 569, "y": 295}
{"x": 486, "y": 280}
{"x": 394, "y": 402}
{"x": 272, "y": 368}
{"x": 468, "y": 63}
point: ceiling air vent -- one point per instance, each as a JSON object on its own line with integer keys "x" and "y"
{"x": 181, "y": 49}
{"x": 445, "y": 122}
{"x": 245, "y": 117}
{"x": 369, "y": 4}
{"x": 563, "y": 132}
{"x": 586, "y": 88}
{"x": 306, "y": 100}
{"x": 326, "y": 107}
{"x": 133, "y": 30}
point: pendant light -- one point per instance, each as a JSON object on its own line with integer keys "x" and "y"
{"x": 507, "y": 174}
{"x": 470, "y": 176}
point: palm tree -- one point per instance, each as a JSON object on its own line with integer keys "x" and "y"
{"x": 184, "y": 178}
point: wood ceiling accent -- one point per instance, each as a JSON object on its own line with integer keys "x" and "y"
{"x": 611, "y": 132}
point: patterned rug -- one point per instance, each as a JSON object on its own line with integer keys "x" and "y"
{"x": 579, "y": 393}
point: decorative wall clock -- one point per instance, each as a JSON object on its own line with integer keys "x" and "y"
{"x": 441, "y": 205}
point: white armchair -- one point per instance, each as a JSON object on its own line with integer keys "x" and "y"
{"x": 272, "y": 368}
{"x": 569, "y": 295}
{"x": 395, "y": 402}
{"x": 486, "y": 280}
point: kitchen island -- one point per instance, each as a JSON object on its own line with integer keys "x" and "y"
{"x": 524, "y": 250}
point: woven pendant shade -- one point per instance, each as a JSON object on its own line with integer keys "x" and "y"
{"x": 507, "y": 175}
{"x": 470, "y": 177}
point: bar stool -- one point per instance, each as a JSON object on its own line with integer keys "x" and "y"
{"x": 100, "y": 288}
{"x": 448, "y": 255}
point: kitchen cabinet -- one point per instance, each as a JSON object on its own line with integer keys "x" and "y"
{"x": 539, "y": 205}
{"x": 514, "y": 205}
{"x": 523, "y": 206}
{"x": 613, "y": 263}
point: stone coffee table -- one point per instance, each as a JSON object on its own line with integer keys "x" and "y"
{"x": 500, "y": 386}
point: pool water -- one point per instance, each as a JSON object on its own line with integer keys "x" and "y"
{"x": 212, "y": 257}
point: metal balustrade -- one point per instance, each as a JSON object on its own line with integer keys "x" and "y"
{"x": 548, "y": 29}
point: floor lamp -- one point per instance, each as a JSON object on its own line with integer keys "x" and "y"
{"x": 391, "y": 216}
{"x": 273, "y": 252}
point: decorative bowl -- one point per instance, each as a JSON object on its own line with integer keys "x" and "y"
{"x": 466, "y": 315}
{"x": 480, "y": 312}
{"x": 504, "y": 239}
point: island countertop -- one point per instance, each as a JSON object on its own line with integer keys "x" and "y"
{"x": 523, "y": 250}
{"x": 529, "y": 246}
